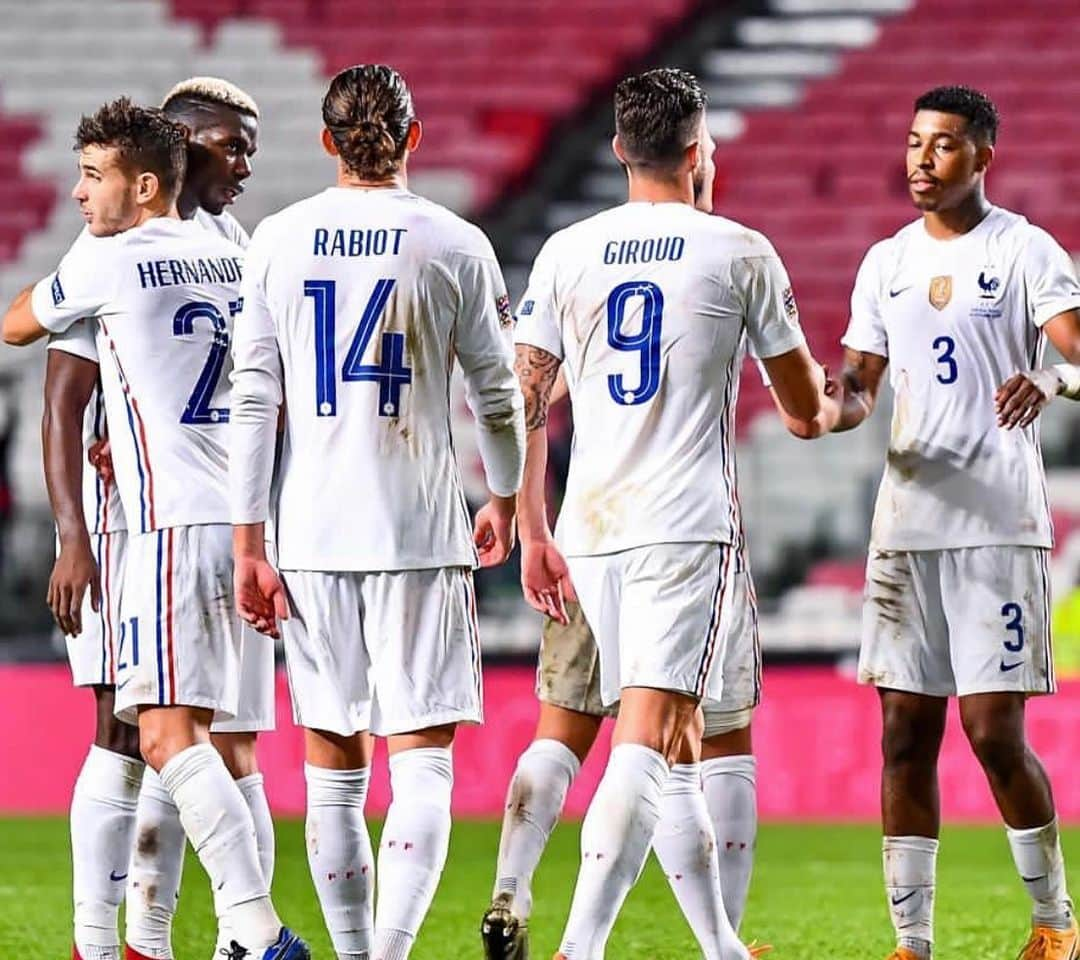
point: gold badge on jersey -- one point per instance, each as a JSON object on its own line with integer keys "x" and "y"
{"x": 940, "y": 292}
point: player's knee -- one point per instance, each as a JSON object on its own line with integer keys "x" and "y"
{"x": 997, "y": 746}
{"x": 238, "y": 753}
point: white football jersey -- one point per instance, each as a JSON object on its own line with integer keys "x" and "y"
{"x": 956, "y": 318}
{"x": 224, "y": 224}
{"x": 648, "y": 305}
{"x": 163, "y": 295}
{"x": 356, "y": 304}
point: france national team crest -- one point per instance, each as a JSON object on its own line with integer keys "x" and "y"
{"x": 502, "y": 305}
{"x": 940, "y": 292}
{"x": 989, "y": 284}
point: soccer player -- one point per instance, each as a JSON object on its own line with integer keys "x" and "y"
{"x": 646, "y": 306}
{"x": 222, "y": 121}
{"x": 357, "y": 301}
{"x": 957, "y": 596}
{"x": 163, "y": 292}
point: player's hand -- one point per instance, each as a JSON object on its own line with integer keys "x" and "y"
{"x": 74, "y": 571}
{"x": 1021, "y": 398}
{"x": 494, "y": 530}
{"x": 260, "y": 595}
{"x": 545, "y": 579}
{"x": 100, "y": 457}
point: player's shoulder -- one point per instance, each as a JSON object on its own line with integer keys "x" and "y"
{"x": 731, "y": 238}
{"x": 223, "y": 224}
{"x": 1016, "y": 231}
{"x": 442, "y": 228}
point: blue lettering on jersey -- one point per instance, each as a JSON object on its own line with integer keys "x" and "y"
{"x": 368, "y": 242}
{"x": 57, "y": 290}
{"x": 200, "y": 270}
{"x": 647, "y": 250}
{"x": 527, "y": 308}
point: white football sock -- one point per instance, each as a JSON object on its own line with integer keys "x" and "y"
{"x": 412, "y": 849}
{"x": 218, "y": 823}
{"x": 615, "y": 839}
{"x": 102, "y": 821}
{"x": 340, "y": 857}
{"x": 1037, "y": 855}
{"x": 254, "y": 794}
{"x": 730, "y": 786}
{"x": 157, "y": 863}
{"x": 534, "y": 801}
{"x": 686, "y": 848}
{"x": 910, "y": 867}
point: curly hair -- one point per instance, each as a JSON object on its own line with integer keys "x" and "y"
{"x": 657, "y": 114}
{"x": 145, "y": 139}
{"x": 975, "y": 107}
{"x": 368, "y": 110}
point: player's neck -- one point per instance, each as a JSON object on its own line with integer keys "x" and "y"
{"x": 655, "y": 190}
{"x": 146, "y": 214}
{"x": 949, "y": 224}
{"x": 187, "y": 204}
{"x": 399, "y": 181}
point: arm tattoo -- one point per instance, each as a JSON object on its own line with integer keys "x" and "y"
{"x": 536, "y": 370}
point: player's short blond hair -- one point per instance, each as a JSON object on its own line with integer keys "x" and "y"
{"x": 212, "y": 90}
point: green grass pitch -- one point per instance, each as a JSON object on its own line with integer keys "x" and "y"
{"x": 816, "y": 893}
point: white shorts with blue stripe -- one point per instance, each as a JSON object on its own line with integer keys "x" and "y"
{"x": 180, "y": 641}
{"x": 390, "y": 652}
{"x": 958, "y": 622}
{"x": 92, "y": 654}
{"x": 661, "y": 615}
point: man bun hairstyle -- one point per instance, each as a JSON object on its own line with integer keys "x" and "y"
{"x": 975, "y": 107}
{"x": 368, "y": 110}
{"x": 198, "y": 93}
{"x": 657, "y": 116}
{"x": 146, "y": 141}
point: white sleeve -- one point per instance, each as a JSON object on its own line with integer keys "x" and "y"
{"x": 772, "y": 318}
{"x": 1050, "y": 278}
{"x": 79, "y": 340}
{"x": 256, "y": 395}
{"x": 483, "y": 347}
{"x": 80, "y": 287}
{"x": 537, "y": 319}
{"x": 866, "y": 329}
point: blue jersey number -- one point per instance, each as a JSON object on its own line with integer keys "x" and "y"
{"x": 1015, "y": 625}
{"x": 390, "y": 373}
{"x": 946, "y": 345}
{"x": 645, "y": 342}
{"x": 129, "y": 638}
{"x": 198, "y": 409}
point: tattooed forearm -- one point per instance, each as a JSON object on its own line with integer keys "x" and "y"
{"x": 536, "y": 370}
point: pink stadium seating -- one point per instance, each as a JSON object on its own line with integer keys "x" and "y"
{"x": 25, "y": 203}
{"x": 825, "y": 178}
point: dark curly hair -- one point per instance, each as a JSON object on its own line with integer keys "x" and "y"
{"x": 657, "y": 114}
{"x": 975, "y": 107}
{"x": 368, "y": 110}
{"x": 145, "y": 139}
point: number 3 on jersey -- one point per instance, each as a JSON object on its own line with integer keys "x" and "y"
{"x": 646, "y": 342}
{"x": 946, "y": 346}
{"x": 390, "y": 373}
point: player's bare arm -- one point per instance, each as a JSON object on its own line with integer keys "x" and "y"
{"x": 1021, "y": 398}
{"x": 545, "y": 578}
{"x": 20, "y": 326}
{"x": 857, "y": 389}
{"x": 800, "y": 390}
{"x": 69, "y": 383}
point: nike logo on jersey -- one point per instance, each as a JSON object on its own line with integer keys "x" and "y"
{"x": 896, "y": 293}
{"x": 896, "y": 901}
{"x": 117, "y": 877}
{"x": 120, "y": 686}
{"x": 1033, "y": 879}
{"x": 1006, "y": 667}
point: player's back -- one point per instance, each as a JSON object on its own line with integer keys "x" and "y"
{"x": 652, "y": 302}
{"x": 163, "y": 343}
{"x": 372, "y": 294}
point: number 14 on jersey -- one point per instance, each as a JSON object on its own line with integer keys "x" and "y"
{"x": 390, "y": 373}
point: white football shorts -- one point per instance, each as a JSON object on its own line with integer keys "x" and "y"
{"x": 957, "y": 622}
{"x": 657, "y": 613}
{"x": 92, "y": 654}
{"x": 256, "y": 710}
{"x": 390, "y": 652}
{"x": 179, "y": 640}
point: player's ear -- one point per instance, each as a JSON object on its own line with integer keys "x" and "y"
{"x": 328, "y": 143}
{"x": 984, "y": 157}
{"x": 147, "y": 187}
{"x": 617, "y": 149}
{"x": 414, "y": 136}
{"x": 692, "y": 156}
